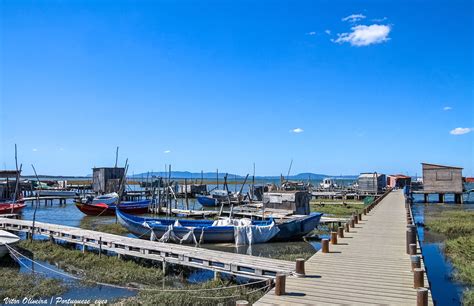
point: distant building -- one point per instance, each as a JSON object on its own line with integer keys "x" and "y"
{"x": 7, "y": 184}
{"x": 371, "y": 182}
{"x": 296, "y": 201}
{"x": 398, "y": 180}
{"x": 442, "y": 179}
{"x": 107, "y": 179}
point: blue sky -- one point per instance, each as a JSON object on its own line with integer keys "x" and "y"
{"x": 340, "y": 87}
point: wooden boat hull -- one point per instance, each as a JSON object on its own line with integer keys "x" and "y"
{"x": 102, "y": 209}
{"x": 296, "y": 229}
{"x": 143, "y": 228}
{"x": 9, "y": 208}
{"x": 207, "y": 201}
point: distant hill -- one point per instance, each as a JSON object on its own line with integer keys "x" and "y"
{"x": 212, "y": 175}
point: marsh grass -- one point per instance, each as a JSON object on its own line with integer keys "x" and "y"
{"x": 458, "y": 227}
{"x": 337, "y": 210}
{"x": 138, "y": 274}
{"x": 95, "y": 224}
{"x": 16, "y": 285}
{"x": 214, "y": 297}
{"x": 93, "y": 268}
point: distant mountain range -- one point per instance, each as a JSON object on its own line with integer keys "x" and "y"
{"x": 230, "y": 176}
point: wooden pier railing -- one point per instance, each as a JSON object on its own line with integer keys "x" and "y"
{"x": 237, "y": 264}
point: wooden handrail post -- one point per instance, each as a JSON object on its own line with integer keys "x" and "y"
{"x": 422, "y": 297}
{"x": 325, "y": 245}
{"x": 300, "y": 267}
{"x": 340, "y": 232}
{"x": 415, "y": 262}
{"x": 412, "y": 249}
{"x": 418, "y": 278}
{"x": 280, "y": 282}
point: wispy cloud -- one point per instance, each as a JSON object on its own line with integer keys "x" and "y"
{"x": 35, "y": 150}
{"x": 363, "y": 35}
{"x": 447, "y": 108}
{"x": 461, "y": 131}
{"x": 353, "y": 18}
{"x": 328, "y": 32}
{"x": 379, "y": 19}
{"x": 297, "y": 130}
{"x": 312, "y": 33}
{"x": 167, "y": 151}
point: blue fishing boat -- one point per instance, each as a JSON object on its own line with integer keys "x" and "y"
{"x": 217, "y": 197}
{"x": 210, "y": 231}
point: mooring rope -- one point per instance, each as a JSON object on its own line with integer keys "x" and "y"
{"x": 134, "y": 288}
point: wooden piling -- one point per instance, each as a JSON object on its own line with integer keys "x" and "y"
{"x": 356, "y": 219}
{"x": 280, "y": 282}
{"x": 352, "y": 223}
{"x": 325, "y": 245}
{"x": 333, "y": 237}
{"x": 418, "y": 278}
{"x": 241, "y": 303}
{"x": 410, "y": 237}
{"x": 340, "y": 232}
{"x": 415, "y": 262}
{"x": 422, "y": 297}
{"x": 300, "y": 272}
{"x": 100, "y": 247}
{"x": 360, "y": 217}
{"x": 412, "y": 249}
{"x": 347, "y": 227}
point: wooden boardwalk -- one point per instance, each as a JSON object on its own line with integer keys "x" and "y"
{"x": 368, "y": 266}
{"x": 243, "y": 265}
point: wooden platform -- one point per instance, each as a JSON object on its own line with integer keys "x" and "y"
{"x": 368, "y": 266}
{"x": 243, "y": 265}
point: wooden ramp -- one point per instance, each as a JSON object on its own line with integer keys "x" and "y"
{"x": 368, "y": 266}
{"x": 243, "y": 265}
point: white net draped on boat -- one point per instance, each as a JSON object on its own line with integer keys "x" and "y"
{"x": 247, "y": 234}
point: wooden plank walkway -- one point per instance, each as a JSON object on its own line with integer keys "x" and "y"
{"x": 243, "y": 265}
{"x": 368, "y": 266}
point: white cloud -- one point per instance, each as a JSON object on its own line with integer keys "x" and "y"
{"x": 328, "y": 32}
{"x": 311, "y": 33}
{"x": 363, "y": 35}
{"x": 297, "y": 130}
{"x": 353, "y": 17}
{"x": 35, "y": 149}
{"x": 167, "y": 151}
{"x": 447, "y": 108}
{"x": 461, "y": 131}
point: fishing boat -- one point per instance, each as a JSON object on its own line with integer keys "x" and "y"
{"x": 217, "y": 231}
{"x": 109, "y": 198}
{"x": 218, "y": 197}
{"x": 11, "y": 208}
{"x": 7, "y": 239}
{"x": 103, "y": 209}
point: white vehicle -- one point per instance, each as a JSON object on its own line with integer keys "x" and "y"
{"x": 328, "y": 183}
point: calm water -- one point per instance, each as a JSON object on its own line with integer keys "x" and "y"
{"x": 445, "y": 290}
{"x": 69, "y": 215}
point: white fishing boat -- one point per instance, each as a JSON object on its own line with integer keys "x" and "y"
{"x": 9, "y": 239}
{"x": 109, "y": 199}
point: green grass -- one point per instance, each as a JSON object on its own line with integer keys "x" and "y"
{"x": 213, "y": 297}
{"x": 130, "y": 273}
{"x": 92, "y": 267}
{"x": 292, "y": 252}
{"x": 458, "y": 227}
{"x": 16, "y": 285}
{"x": 336, "y": 210}
{"x": 95, "y": 224}
{"x": 454, "y": 223}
